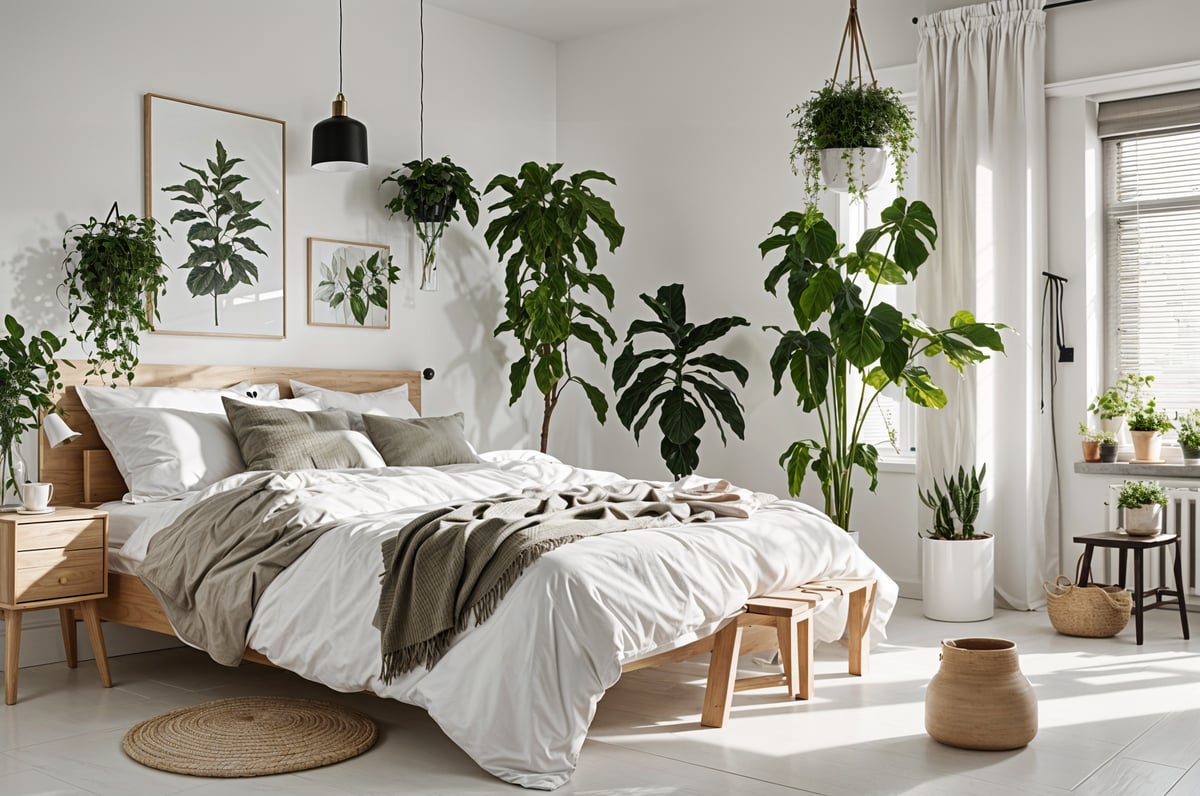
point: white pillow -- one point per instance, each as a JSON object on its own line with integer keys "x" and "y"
{"x": 167, "y": 453}
{"x": 187, "y": 399}
{"x": 393, "y": 402}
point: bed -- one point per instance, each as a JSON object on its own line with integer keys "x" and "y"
{"x": 517, "y": 692}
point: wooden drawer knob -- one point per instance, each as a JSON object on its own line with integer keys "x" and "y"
{"x": 62, "y": 581}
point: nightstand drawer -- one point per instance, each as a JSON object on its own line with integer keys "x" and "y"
{"x": 55, "y": 574}
{"x": 69, "y": 535}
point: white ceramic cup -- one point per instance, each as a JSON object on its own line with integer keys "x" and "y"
{"x": 36, "y": 495}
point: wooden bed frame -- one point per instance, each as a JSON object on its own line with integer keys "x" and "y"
{"x": 84, "y": 474}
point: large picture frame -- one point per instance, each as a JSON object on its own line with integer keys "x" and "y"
{"x": 216, "y": 179}
{"x": 349, "y": 284}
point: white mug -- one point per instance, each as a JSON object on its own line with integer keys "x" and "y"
{"x": 36, "y": 496}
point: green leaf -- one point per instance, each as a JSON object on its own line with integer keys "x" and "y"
{"x": 817, "y": 240}
{"x": 518, "y": 376}
{"x": 895, "y": 358}
{"x": 590, "y": 336}
{"x": 548, "y": 371}
{"x": 726, "y": 404}
{"x": 706, "y": 333}
{"x": 722, "y": 364}
{"x": 681, "y": 459}
{"x": 878, "y": 378}
{"x": 795, "y": 461}
{"x": 596, "y": 397}
{"x": 888, "y": 321}
{"x": 867, "y": 457}
{"x": 681, "y": 417}
{"x": 920, "y": 389}
{"x": 358, "y": 308}
{"x": 818, "y": 296}
{"x": 635, "y": 396}
{"x": 203, "y": 231}
{"x": 858, "y": 339}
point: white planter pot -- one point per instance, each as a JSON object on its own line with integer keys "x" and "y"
{"x": 854, "y": 537}
{"x": 958, "y": 578}
{"x": 868, "y": 168}
{"x": 1118, "y": 427}
{"x": 1145, "y": 520}
{"x": 1147, "y": 446}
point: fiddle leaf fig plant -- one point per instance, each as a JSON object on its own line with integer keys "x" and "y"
{"x": 677, "y": 381}
{"x": 542, "y": 228}
{"x": 114, "y": 273}
{"x": 849, "y": 346}
{"x": 29, "y": 376}
{"x": 428, "y": 193}
{"x": 220, "y": 237}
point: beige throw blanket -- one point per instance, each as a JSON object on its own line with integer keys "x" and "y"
{"x": 458, "y": 562}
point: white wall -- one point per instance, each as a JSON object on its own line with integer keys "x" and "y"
{"x": 72, "y": 76}
{"x": 689, "y": 114}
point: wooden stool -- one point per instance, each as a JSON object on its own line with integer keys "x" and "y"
{"x": 790, "y": 612}
{"x": 1124, "y": 543}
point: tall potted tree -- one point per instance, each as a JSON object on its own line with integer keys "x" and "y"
{"x": 849, "y": 346}
{"x": 549, "y": 276}
{"x": 957, "y": 563}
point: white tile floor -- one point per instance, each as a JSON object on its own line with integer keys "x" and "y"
{"x": 1115, "y": 719}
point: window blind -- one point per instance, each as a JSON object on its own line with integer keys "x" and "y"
{"x": 1152, "y": 262}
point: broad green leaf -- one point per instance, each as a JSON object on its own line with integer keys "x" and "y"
{"x": 548, "y": 371}
{"x": 887, "y": 320}
{"x": 596, "y": 397}
{"x": 818, "y": 296}
{"x": 706, "y": 333}
{"x": 795, "y": 461}
{"x": 518, "y": 375}
{"x": 681, "y": 459}
{"x": 722, "y": 364}
{"x": 920, "y": 389}
{"x": 858, "y": 340}
{"x": 681, "y": 417}
{"x": 895, "y": 358}
{"x": 867, "y": 457}
{"x": 358, "y": 307}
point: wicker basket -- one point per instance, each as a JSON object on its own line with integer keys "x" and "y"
{"x": 1094, "y": 611}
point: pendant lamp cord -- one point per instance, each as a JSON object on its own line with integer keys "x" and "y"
{"x": 421, "y": 19}
{"x": 339, "y": 47}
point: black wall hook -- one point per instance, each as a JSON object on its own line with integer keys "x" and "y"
{"x": 428, "y": 374}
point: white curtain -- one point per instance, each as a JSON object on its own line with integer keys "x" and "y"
{"x": 982, "y": 170}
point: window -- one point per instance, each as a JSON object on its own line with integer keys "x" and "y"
{"x": 1152, "y": 243}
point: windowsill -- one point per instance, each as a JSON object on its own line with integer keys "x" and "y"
{"x": 1174, "y": 470}
{"x": 900, "y": 464}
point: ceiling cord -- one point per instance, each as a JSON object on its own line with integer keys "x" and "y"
{"x": 339, "y": 47}
{"x": 422, "y": 25}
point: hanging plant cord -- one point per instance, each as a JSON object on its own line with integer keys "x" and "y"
{"x": 858, "y": 49}
{"x": 421, "y": 20}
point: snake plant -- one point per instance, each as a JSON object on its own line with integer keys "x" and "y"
{"x": 959, "y": 499}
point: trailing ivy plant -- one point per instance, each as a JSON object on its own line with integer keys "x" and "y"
{"x": 677, "y": 381}
{"x": 960, "y": 499}
{"x": 29, "y": 376}
{"x": 549, "y": 274}
{"x": 849, "y": 346}
{"x": 221, "y": 245}
{"x": 357, "y": 287}
{"x": 114, "y": 274}
{"x": 851, "y": 115}
{"x": 429, "y": 194}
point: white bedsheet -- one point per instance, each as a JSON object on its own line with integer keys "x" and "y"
{"x": 123, "y": 520}
{"x": 518, "y": 692}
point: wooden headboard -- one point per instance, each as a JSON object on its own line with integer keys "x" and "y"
{"x": 83, "y": 471}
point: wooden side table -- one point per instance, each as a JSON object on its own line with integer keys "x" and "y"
{"x": 59, "y": 559}
{"x": 1139, "y": 544}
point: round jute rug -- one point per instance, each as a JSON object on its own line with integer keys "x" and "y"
{"x": 250, "y": 737}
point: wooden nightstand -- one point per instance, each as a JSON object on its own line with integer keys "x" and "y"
{"x": 47, "y": 560}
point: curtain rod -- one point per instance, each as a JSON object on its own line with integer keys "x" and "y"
{"x": 1049, "y": 6}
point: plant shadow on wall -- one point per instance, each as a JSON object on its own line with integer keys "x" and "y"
{"x": 849, "y": 346}
{"x": 30, "y": 276}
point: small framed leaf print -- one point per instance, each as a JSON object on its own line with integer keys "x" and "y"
{"x": 350, "y": 284}
{"x": 215, "y": 180}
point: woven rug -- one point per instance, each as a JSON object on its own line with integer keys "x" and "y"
{"x": 250, "y": 737}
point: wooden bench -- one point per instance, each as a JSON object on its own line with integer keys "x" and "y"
{"x": 790, "y": 612}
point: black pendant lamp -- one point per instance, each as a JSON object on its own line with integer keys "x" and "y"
{"x": 339, "y": 143}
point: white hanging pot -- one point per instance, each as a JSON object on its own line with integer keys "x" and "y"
{"x": 958, "y": 578}
{"x": 866, "y": 168}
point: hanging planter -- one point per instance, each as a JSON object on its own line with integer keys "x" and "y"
{"x": 429, "y": 193}
{"x": 846, "y": 131}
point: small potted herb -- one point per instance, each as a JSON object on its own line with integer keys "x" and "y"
{"x": 1142, "y": 502}
{"x": 1091, "y": 442}
{"x": 1146, "y": 426}
{"x": 958, "y": 564}
{"x": 429, "y": 193}
{"x": 1189, "y": 435}
{"x": 844, "y": 134}
{"x": 1108, "y": 447}
{"x": 1119, "y": 400}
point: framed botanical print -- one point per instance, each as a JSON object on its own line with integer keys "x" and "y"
{"x": 350, "y": 284}
{"x": 215, "y": 179}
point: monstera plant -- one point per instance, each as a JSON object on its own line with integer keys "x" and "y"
{"x": 677, "y": 381}
{"x": 219, "y": 238}
{"x": 544, "y": 223}
{"x": 849, "y": 346}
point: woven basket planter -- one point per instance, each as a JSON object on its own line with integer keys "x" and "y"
{"x": 1093, "y": 611}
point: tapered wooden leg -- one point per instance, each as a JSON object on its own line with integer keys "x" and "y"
{"x": 722, "y": 670}
{"x": 96, "y": 637}
{"x": 1183, "y": 617}
{"x": 786, "y": 629}
{"x": 12, "y": 654}
{"x": 70, "y": 643}
{"x": 1138, "y": 595}
{"x": 858, "y": 623}
{"x": 805, "y": 675}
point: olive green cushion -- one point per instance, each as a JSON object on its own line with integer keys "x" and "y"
{"x": 420, "y": 442}
{"x": 274, "y": 438}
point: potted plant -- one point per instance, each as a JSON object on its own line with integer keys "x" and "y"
{"x": 114, "y": 275}
{"x": 1108, "y": 447}
{"x": 1146, "y": 426}
{"x": 1121, "y": 399}
{"x": 29, "y": 376}
{"x": 677, "y": 381}
{"x": 1142, "y": 502}
{"x": 429, "y": 193}
{"x": 1091, "y": 442}
{"x": 957, "y": 564}
{"x": 849, "y": 346}
{"x": 1189, "y": 435}
{"x": 549, "y": 277}
{"x": 844, "y": 134}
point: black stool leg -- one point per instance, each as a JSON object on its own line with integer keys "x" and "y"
{"x": 1183, "y": 618}
{"x": 1124, "y": 558}
{"x": 1138, "y": 593}
{"x": 1085, "y": 574}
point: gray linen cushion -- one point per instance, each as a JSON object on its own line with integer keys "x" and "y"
{"x": 273, "y": 438}
{"x": 420, "y": 442}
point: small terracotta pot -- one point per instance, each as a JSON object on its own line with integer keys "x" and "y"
{"x": 979, "y": 699}
{"x": 1091, "y": 450}
{"x": 1147, "y": 445}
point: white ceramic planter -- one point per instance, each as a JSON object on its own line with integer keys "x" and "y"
{"x": 1118, "y": 427}
{"x": 1147, "y": 446}
{"x": 958, "y": 578}
{"x": 869, "y": 166}
{"x": 1145, "y": 520}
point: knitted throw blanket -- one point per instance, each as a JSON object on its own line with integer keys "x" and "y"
{"x": 458, "y": 562}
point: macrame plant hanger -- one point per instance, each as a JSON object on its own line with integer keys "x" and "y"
{"x": 858, "y": 49}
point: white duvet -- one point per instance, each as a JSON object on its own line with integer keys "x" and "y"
{"x": 518, "y": 692}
